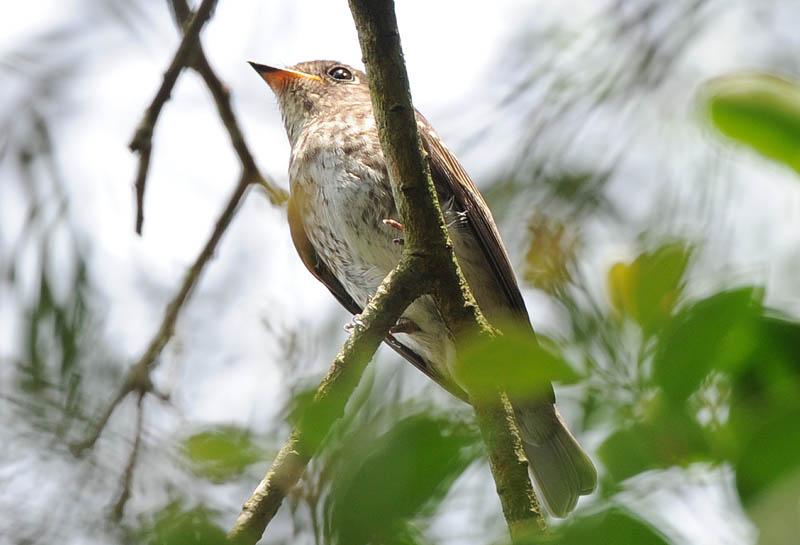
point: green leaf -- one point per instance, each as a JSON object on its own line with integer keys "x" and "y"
{"x": 611, "y": 527}
{"x": 175, "y": 526}
{"x": 715, "y": 333}
{"x": 668, "y": 437}
{"x": 760, "y": 110}
{"x": 648, "y": 288}
{"x": 768, "y": 383}
{"x": 514, "y": 361}
{"x": 221, "y": 453}
{"x": 770, "y": 455}
{"x": 400, "y": 475}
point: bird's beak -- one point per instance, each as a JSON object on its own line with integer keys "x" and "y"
{"x": 279, "y": 78}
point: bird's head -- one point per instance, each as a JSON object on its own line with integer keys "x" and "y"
{"x": 310, "y": 90}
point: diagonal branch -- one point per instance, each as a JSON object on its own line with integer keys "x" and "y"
{"x": 221, "y": 94}
{"x": 426, "y": 235}
{"x": 428, "y": 265}
{"x": 142, "y": 141}
{"x": 189, "y": 53}
{"x": 399, "y": 289}
{"x": 138, "y": 376}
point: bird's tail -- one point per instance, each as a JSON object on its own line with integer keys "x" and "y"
{"x": 560, "y": 467}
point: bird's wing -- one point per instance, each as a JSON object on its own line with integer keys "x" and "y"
{"x": 451, "y": 180}
{"x": 311, "y": 259}
{"x": 322, "y": 273}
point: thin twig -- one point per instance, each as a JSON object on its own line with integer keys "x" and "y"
{"x": 221, "y": 94}
{"x": 138, "y": 377}
{"x": 127, "y": 477}
{"x": 142, "y": 139}
{"x": 189, "y": 53}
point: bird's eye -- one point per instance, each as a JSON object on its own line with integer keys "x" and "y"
{"x": 340, "y": 73}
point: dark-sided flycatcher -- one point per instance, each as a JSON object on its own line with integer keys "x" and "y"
{"x": 345, "y": 226}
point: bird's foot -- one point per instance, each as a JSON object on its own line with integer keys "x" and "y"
{"x": 397, "y": 225}
{"x": 354, "y": 323}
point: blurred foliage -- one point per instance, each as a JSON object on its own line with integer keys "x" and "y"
{"x": 399, "y": 476}
{"x": 384, "y": 468}
{"x": 222, "y": 453}
{"x": 606, "y": 528}
{"x": 647, "y": 289}
{"x": 515, "y": 361}
{"x": 760, "y": 110}
{"x": 550, "y": 253}
{"x": 175, "y": 525}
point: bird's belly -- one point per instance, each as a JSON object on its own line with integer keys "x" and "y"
{"x": 343, "y": 218}
{"x": 343, "y": 213}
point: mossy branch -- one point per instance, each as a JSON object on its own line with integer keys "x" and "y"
{"x": 428, "y": 266}
{"x": 426, "y": 235}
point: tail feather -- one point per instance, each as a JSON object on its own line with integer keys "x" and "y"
{"x": 562, "y": 470}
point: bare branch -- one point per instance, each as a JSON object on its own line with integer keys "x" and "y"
{"x": 138, "y": 377}
{"x": 142, "y": 139}
{"x": 127, "y": 477}
{"x": 189, "y": 53}
{"x": 219, "y": 91}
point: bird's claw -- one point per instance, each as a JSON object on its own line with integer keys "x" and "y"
{"x": 354, "y": 323}
{"x": 396, "y": 225}
{"x": 392, "y": 223}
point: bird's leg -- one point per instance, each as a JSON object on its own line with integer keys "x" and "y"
{"x": 397, "y": 225}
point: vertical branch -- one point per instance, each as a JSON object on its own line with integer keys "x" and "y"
{"x": 399, "y": 289}
{"x": 426, "y": 235}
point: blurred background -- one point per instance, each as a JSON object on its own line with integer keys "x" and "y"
{"x": 658, "y": 258}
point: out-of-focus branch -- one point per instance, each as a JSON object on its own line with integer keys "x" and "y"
{"x": 138, "y": 377}
{"x": 426, "y": 235}
{"x": 399, "y": 289}
{"x": 189, "y": 53}
{"x": 127, "y": 477}
{"x": 142, "y": 141}
{"x": 219, "y": 91}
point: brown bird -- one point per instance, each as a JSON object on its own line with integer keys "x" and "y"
{"x": 345, "y": 226}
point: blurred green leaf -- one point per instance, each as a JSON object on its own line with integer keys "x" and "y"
{"x": 668, "y": 437}
{"x": 611, "y": 527}
{"x": 551, "y": 252}
{"x": 760, "y": 110}
{"x": 515, "y": 361}
{"x": 222, "y": 453}
{"x": 718, "y": 332}
{"x": 770, "y": 381}
{"x": 648, "y": 288}
{"x": 175, "y": 526}
{"x": 771, "y": 454}
{"x": 401, "y": 475}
